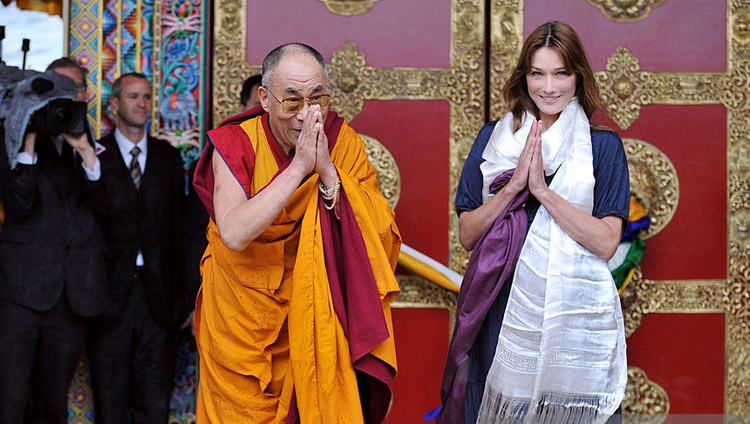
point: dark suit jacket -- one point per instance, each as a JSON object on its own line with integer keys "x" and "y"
{"x": 150, "y": 218}
{"x": 50, "y": 240}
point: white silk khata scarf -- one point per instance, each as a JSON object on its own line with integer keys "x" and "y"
{"x": 560, "y": 356}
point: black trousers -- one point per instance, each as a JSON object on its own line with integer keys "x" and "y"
{"x": 38, "y": 356}
{"x": 132, "y": 364}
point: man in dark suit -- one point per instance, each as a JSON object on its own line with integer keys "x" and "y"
{"x": 132, "y": 350}
{"x": 52, "y": 266}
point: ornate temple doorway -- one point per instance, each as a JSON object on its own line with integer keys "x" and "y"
{"x": 419, "y": 79}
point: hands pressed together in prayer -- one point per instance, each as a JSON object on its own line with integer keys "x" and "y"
{"x": 600, "y": 235}
{"x": 311, "y": 152}
{"x": 530, "y": 168}
{"x": 529, "y": 173}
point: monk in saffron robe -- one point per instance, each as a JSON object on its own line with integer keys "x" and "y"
{"x": 293, "y": 319}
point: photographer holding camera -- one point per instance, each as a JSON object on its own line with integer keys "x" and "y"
{"x": 52, "y": 260}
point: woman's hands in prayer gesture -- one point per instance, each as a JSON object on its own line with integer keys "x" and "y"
{"x": 530, "y": 164}
{"x": 535, "y": 167}
{"x": 472, "y": 224}
{"x": 599, "y": 235}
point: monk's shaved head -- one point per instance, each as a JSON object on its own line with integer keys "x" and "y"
{"x": 272, "y": 60}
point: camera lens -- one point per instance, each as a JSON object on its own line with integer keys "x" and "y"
{"x": 61, "y": 115}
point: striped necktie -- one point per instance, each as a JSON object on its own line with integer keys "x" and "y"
{"x": 135, "y": 167}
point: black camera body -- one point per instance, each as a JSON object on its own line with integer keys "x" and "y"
{"x": 36, "y": 101}
{"x": 60, "y": 116}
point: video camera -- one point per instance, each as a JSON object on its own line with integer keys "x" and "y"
{"x": 43, "y": 102}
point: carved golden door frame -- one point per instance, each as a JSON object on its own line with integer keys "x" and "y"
{"x": 626, "y": 88}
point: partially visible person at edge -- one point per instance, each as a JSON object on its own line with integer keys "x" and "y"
{"x": 542, "y": 202}
{"x": 53, "y": 283}
{"x": 249, "y": 96}
{"x": 293, "y": 319}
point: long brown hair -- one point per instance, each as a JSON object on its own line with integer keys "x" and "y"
{"x": 561, "y": 38}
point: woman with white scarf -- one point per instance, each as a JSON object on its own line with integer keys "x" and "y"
{"x": 551, "y": 347}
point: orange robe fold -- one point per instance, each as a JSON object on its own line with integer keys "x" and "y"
{"x": 268, "y": 323}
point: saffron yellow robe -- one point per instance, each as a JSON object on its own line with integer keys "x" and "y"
{"x": 266, "y": 323}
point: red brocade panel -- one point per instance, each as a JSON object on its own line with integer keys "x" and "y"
{"x": 416, "y": 133}
{"x": 694, "y": 244}
{"x": 676, "y": 36}
{"x": 422, "y": 338}
{"x": 684, "y": 354}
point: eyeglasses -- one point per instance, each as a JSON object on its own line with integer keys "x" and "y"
{"x": 82, "y": 88}
{"x": 295, "y": 104}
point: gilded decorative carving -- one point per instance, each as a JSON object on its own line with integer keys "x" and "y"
{"x": 349, "y": 7}
{"x": 741, "y": 26}
{"x": 624, "y": 88}
{"x": 385, "y": 167}
{"x": 653, "y": 181}
{"x": 420, "y": 293}
{"x": 741, "y": 223}
{"x": 645, "y": 401}
{"x": 632, "y": 305}
{"x": 737, "y": 367}
{"x": 464, "y": 86}
{"x": 349, "y": 81}
{"x": 739, "y": 207}
{"x": 734, "y": 87}
{"x": 229, "y": 65}
{"x": 685, "y": 88}
{"x": 459, "y": 255}
{"x": 625, "y": 10}
{"x": 506, "y": 34}
{"x": 682, "y": 296}
{"x": 736, "y": 293}
{"x": 643, "y": 296}
{"x": 739, "y": 150}
{"x": 352, "y": 82}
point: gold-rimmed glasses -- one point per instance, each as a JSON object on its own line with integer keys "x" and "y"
{"x": 295, "y": 104}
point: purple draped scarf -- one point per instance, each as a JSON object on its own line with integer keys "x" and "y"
{"x": 491, "y": 264}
